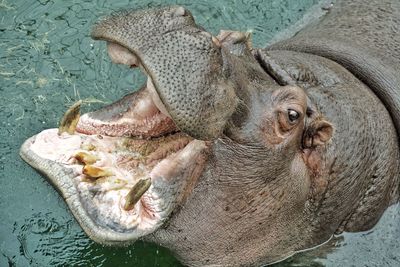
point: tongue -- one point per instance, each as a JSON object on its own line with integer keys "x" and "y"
{"x": 135, "y": 115}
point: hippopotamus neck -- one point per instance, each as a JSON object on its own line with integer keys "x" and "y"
{"x": 226, "y": 201}
{"x": 352, "y": 35}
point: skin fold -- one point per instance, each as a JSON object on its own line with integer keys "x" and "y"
{"x": 231, "y": 155}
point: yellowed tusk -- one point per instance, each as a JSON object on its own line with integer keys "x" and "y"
{"x": 86, "y": 158}
{"x": 70, "y": 119}
{"x": 136, "y": 193}
{"x": 96, "y": 172}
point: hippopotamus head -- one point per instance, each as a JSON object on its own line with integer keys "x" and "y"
{"x": 211, "y": 157}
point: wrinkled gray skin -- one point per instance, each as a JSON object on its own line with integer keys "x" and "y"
{"x": 270, "y": 186}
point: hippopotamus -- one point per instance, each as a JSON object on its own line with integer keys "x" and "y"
{"x": 231, "y": 155}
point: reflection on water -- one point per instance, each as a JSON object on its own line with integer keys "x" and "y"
{"x": 47, "y": 62}
{"x": 48, "y": 241}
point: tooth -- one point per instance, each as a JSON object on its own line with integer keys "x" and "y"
{"x": 136, "y": 193}
{"x": 86, "y": 158}
{"x": 70, "y": 119}
{"x": 96, "y": 172}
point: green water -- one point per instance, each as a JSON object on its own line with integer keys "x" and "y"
{"x": 47, "y": 62}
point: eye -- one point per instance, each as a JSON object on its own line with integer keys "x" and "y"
{"x": 293, "y": 115}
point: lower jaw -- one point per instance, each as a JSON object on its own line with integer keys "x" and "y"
{"x": 97, "y": 202}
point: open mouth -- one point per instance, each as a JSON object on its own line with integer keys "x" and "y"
{"x": 123, "y": 169}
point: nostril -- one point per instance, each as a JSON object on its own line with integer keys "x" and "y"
{"x": 180, "y": 12}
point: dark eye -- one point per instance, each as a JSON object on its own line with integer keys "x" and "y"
{"x": 293, "y": 115}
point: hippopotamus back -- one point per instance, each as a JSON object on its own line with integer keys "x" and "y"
{"x": 364, "y": 38}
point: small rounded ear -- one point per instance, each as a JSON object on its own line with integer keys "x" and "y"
{"x": 317, "y": 133}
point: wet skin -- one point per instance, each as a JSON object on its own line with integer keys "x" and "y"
{"x": 231, "y": 155}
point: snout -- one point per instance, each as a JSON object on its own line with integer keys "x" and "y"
{"x": 183, "y": 64}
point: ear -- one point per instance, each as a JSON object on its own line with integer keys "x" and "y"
{"x": 317, "y": 133}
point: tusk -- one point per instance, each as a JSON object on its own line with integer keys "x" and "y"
{"x": 86, "y": 158}
{"x": 136, "y": 193}
{"x": 96, "y": 172}
{"x": 70, "y": 119}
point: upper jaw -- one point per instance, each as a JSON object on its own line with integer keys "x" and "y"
{"x": 183, "y": 64}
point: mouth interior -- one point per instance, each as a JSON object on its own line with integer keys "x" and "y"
{"x": 119, "y": 146}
